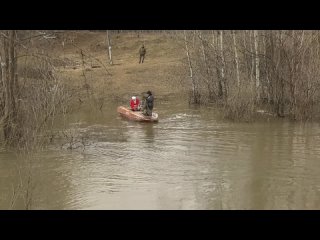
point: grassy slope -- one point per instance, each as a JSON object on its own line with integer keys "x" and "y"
{"x": 161, "y": 72}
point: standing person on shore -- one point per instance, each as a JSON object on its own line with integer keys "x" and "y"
{"x": 142, "y": 53}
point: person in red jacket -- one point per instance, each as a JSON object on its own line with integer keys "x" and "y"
{"x": 135, "y": 104}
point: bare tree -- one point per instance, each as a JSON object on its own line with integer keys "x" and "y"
{"x": 280, "y": 66}
{"x": 236, "y": 57}
{"x": 194, "y": 90}
{"x": 223, "y": 64}
{"x": 257, "y": 61}
{"x": 109, "y": 48}
{"x": 207, "y": 68}
{"x": 9, "y": 81}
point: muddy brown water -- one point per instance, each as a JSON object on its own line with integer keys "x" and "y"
{"x": 189, "y": 160}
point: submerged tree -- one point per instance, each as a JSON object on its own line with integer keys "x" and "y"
{"x": 274, "y": 70}
{"x": 27, "y": 103}
{"x": 11, "y": 124}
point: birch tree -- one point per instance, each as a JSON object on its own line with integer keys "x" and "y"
{"x": 109, "y": 48}
{"x": 194, "y": 95}
{"x": 206, "y": 65}
{"x": 222, "y": 65}
{"x": 8, "y": 70}
{"x": 257, "y": 61}
{"x": 236, "y": 57}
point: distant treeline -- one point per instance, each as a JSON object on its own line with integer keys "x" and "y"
{"x": 243, "y": 71}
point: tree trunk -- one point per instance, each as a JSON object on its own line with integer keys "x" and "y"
{"x": 210, "y": 90}
{"x": 280, "y": 85}
{"x": 236, "y": 57}
{"x": 252, "y": 58}
{"x": 257, "y": 61}
{"x": 204, "y": 53}
{"x": 293, "y": 67}
{"x": 8, "y": 66}
{"x": 223, "y": 65}
{"x": 218, "y": 63}
{"x": 266, "y": 54}
{"x": 213, "y": 40}
{"x": 194, "y": 94}
{"x": 2, "y": 98}
{"x": 109, "y": 48}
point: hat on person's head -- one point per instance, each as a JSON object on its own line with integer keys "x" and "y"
{"x": 149, "y": 92}
{"x": 133, "y": 97}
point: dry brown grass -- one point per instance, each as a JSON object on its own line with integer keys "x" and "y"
{"x": 161, "y": 72}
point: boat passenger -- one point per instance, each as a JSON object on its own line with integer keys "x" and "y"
{"x": 148, "y": 105}
{"x": 135, "y": 103}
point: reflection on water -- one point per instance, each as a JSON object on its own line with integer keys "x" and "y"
{"x": 189, "y": 160}
{"x": 149, "y": 133}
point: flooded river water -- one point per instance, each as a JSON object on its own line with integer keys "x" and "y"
{"x": 189, "y": 160}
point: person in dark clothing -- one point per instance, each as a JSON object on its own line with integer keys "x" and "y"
{"x": 142, "y": 53}
{"x": 148, "y": 105}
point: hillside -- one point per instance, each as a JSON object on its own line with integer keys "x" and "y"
{"x": 161, "y": 72}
